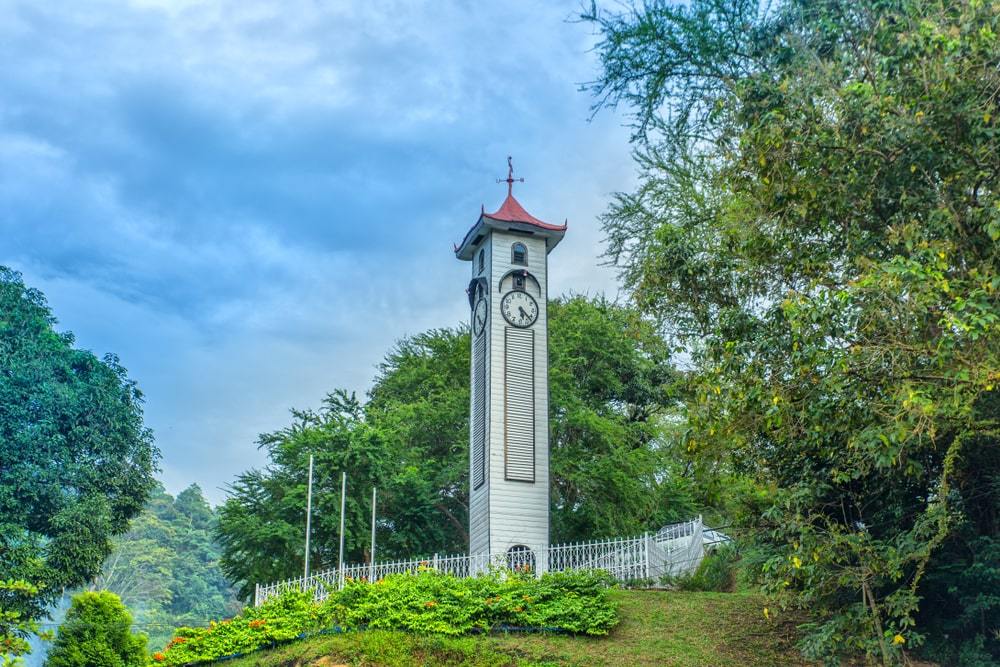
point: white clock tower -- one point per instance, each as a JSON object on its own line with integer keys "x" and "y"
{"x": 509, "y": 425}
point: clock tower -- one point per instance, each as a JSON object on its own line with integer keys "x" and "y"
{"x": 509, "y": 411}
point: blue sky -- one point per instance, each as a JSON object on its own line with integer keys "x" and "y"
{"x": 249, "y": 201}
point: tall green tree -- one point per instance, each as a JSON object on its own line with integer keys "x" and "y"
{"x": 610, "y": 467}
{"x": 817, "y": 222}
{"x": 612, "y": 386}
{"x": 76, "y": 461}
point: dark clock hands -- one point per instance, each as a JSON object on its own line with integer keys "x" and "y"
{"x": 520, "y": 309}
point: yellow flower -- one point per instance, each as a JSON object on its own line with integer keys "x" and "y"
{"x": 797, "y": 562}
{"x": 767, "y": 614}
{"x": 898, "y": 639}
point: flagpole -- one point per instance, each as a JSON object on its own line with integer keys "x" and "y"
{"x": 340, "y": 557}
{"x": 309, "y": 498}
{"x": 371, "y": 559}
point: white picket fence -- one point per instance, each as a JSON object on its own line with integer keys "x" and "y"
{"x": 673, "y": 550}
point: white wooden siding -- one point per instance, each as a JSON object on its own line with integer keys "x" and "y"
{"x": 479, "y": 499}
{"x": 519, "y": 405}
{"x": 479, "y": 412}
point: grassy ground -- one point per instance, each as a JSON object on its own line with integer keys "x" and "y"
{"x": 669, "y": 629}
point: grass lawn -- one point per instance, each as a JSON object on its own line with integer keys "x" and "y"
{"x": 657, "y": 628}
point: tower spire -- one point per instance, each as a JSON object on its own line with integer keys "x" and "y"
{"x": 510, "y": 177}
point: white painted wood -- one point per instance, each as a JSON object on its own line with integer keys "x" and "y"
{"x": 519, "y": 405}
{"x": 478, "y": 421}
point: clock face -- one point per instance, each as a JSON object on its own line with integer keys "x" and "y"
{"x": 479, "y": 317}
{"x": 519, "y": 308}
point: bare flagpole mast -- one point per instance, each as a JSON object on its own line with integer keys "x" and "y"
{"x": 371, "y": 559}
{"x": 309, "y": 501}
{"x": 340, "y": 557}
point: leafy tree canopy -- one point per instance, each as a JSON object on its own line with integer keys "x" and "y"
{"x": 610, "y": 468}
{"x": 817, "y": 222}
{"x": 76, "y": 462}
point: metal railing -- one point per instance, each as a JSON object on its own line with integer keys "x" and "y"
{"x": 673, "y": 550}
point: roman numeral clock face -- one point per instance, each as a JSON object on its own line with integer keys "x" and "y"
{"x": 519, "y": 308}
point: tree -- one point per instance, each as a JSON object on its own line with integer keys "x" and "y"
{"x": 611, "y": 472}
{"x": 817, "y": 224}
{"x": 611, "y": 386}
{"x": 262, "y": 523}
{"x": 97, "y": 633}
{"x": 76, "y": 462}
{"x": 15, "y": 626}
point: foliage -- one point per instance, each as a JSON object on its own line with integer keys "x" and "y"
{"x": 97, "y": 633}
{"x": 279, "y": 619}
{"x": 14, "y": 626}
{"x": 716, "y": 572}
{"x": 262, "y": 523}
{"x": 611, "y": 389}
{"x": 76, "y": 461}
{"x": 656, "y": 628}
{"x": 817, "y": 222}
{"x": 166, "y": 567}
{"x": 612, "y": 472}
{"x": 427, "y": 602}
{"x": 434, "y": 602}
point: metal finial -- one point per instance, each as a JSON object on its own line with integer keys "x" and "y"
{"x": 510, "y": 177}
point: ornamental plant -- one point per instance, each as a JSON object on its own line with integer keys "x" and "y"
{"x": 430, "y": 601}
{"x": 425, "y": 602}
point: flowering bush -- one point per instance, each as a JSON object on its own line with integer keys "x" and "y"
{"x": 426, "y": 602}
{"x": 279, "y": 619}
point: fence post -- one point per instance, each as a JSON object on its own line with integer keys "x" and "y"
{"x": 256, "y": 595}
{"x": 645, "y": 544}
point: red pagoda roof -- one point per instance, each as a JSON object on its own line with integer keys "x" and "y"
{"x": 512, "y": 211}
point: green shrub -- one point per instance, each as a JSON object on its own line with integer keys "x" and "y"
{"x": 426, "y": 602}
{"x": 433, "y": 602}
{"x": 716, "y": 572}
{"x": 279, "y": 619}
{"x": 97, "y": 632}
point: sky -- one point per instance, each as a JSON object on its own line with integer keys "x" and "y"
{"x": 249, "y": 201}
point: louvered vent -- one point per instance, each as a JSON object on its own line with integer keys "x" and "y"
{"x": 519, "y": 405}
{"x": 479, "y": 412}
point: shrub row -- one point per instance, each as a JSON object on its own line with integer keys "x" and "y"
{"x": 425, "y": 602}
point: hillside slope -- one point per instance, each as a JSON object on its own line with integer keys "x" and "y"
{"x": 670, "y": 629}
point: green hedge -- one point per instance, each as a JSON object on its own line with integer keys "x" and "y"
{"x": 426, "y": 602}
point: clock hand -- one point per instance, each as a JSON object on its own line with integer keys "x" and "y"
{"x": 521, "y": 310}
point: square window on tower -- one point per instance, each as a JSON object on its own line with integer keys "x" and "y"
{"x": 519, "y": 282}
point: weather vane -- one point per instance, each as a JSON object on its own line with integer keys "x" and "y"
{"x": 510, "y": 177}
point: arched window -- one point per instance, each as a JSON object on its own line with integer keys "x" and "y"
{"x": 520, "y": 559}
{"x": 519, "y": 254}
{"x": 482, "y": 260}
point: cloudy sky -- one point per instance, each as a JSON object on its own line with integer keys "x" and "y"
{"x": 249, "y": 201}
